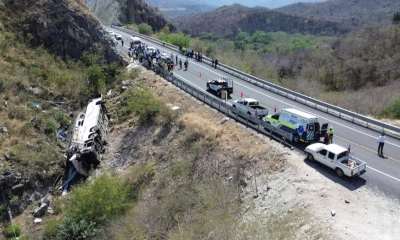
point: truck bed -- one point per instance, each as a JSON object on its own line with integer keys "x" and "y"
{"x": 257, "y": 107}
{"x": 356, "y": 166}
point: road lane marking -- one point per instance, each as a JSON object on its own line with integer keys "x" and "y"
{"x": 366, "y": 148}
{"x": 387, "y": 175}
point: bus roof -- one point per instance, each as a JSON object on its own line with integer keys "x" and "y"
{"x": 91, "y": 116}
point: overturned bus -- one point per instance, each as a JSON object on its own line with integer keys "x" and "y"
{"x": 87, "y": 143}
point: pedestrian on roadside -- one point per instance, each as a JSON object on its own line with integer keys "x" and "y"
{"x": 212, "y": 62}
{"x": 326, "y": 138}
{"x": 176, "y": 59}
{"x": 381, "y": 140}
{"x": 180, "y": 63}
{"x": 122, "y": 42}
{"x": 186, "y": 64}
{"x": 331, "y": 135}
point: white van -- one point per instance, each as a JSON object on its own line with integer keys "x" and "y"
{"x": 135, "y": 41}
{"x": 302, "y": 126}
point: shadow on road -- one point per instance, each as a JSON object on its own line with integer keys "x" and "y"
{"x": 347, "y": 182}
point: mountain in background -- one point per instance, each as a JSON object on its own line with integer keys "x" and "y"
{"x": 175, "y": 8}
{"x": 354, "y": 13}
{"x": 228, "y": 21}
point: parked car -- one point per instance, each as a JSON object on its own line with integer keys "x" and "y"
{"x": 219, "y": 85}
{"x": 251, "y": 107}
{"x": 118, "y": 36}
{"x": 337, "y": 158}
{"x": 116, "y": 24}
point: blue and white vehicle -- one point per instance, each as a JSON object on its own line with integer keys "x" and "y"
{"x": 301, "y": 126}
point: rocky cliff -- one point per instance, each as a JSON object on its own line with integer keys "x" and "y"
{"x": 64, "y": 26}
{"x": 128, "y": 11}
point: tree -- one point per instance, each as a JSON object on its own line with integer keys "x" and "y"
{"x": 96, "y": 79}
{"x": 145, "y": 29}
{"x": 396, "y": 18}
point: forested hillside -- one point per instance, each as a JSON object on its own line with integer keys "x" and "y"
{"x": 353, "y": 13}
{"x": 228, "y": 21}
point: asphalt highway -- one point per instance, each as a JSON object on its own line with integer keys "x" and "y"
{"x": 383, "y": 174}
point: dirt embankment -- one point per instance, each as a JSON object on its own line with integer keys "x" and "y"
{"x": 283, "y": 195}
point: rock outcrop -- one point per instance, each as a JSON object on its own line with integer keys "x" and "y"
{"x": 128, "y": 11}
{"x": 64, "y": 26}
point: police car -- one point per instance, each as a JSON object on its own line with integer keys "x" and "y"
{"x": 219, "y": 85}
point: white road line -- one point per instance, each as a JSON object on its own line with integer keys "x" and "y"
{"x": 387, "y": 175}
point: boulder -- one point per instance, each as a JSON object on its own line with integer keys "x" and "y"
{"x": 45, "y": 200}
{"x": 40, "y": 211}
{"x": 35, "y": 90}
{"x": 4, "y": 129}
{"x": 3, "y": 181}
{"x": 7, "y": 156}
{"x": 18, "y": 189}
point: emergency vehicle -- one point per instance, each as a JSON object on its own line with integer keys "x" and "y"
{"x": 219, "y": 85}
{"x": 301, "y": 126}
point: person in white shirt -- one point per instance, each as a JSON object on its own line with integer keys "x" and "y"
{"x": 381, "y": 140}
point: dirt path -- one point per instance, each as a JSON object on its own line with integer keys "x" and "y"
{"x": 360, "y": 213}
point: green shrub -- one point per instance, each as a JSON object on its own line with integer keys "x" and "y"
{"x": 11, "y": 229}
{"x": 143, "y": 103}
{"x": 178, "y": 39}
{"x": 70, "y": 228}
{"x": 51, "y": 126}
{"x": 393, "y": 110}
{"x": 50, "y": 231}
{"x": 106, "y": 197}
{"x": 37, "y": 156}
{"x": 96, "y": 79}
{"x": 145, "y": 29}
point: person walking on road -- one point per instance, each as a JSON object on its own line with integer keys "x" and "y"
{"x": 381, "y": 140}
{"x": 180, "y": 63}
{"x": 176, "y": 59}
{"x": 122, "y": 42}
{"x": 331, "y": 135}
{"x": 216, "y": 63}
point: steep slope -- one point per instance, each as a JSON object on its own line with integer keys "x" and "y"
{"x": 63, "y": 26}
{"x": 227, "y": 21}
{"x": 353, "y": 12}
{"x": 128, "y": 11}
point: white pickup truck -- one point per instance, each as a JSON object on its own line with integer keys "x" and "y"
{"x": 251, "y": 107}
{"x": 337, "y": 158}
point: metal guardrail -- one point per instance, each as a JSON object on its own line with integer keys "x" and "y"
{"x": 303, "y": 99}
{"x": 219, "y": 104}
